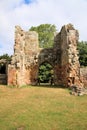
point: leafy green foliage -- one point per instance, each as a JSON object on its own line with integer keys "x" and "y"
{"x": 82, "y": 47}
{"x": 46, "y": 34}
{"x": 5, "y": 56}
{"x": 45, "y": 72}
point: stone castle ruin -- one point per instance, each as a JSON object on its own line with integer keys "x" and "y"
{"x": 27, "y": 58}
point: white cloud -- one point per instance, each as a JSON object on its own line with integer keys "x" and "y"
{"x": 58, "y": 12}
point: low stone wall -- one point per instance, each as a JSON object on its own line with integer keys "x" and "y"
{"x": 83, "y": 73}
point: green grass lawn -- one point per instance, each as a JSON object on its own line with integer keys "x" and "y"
{"x": 41, "y": 108}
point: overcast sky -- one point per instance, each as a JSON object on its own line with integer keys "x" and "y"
{"x": 27, "y": 13}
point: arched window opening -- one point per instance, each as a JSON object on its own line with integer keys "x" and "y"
{"x": 45, "y": 73}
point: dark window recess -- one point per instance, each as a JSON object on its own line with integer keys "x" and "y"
{"x": 2, "y": 69}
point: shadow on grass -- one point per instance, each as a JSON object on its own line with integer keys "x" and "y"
{"x": 47, "y": 85}
{"x": 42, "y": 85}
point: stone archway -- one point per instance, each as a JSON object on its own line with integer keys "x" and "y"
{"x": 28, "y": 56}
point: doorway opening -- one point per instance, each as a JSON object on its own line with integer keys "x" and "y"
{"x": 3, "y": 75}
{"x": 2, "y": 68}
{"x": 46, "y": 74}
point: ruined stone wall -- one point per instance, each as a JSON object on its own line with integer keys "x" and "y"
{"x": 69, "y": 67}
{"x": 23, "y": 69}
{"x": 28, "y": 57}
{"x": 83, "y": 73}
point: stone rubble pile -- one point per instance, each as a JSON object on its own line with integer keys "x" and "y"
{"x": 78, "y": 91}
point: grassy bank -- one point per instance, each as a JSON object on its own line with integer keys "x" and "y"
{"x": 41, "y": 108}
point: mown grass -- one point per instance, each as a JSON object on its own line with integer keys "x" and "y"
{"x": 41, "y": 108}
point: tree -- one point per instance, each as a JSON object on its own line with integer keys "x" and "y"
{"x": 5, "y": 56}
{"x": 82, "y": 47}
{"x": 45, "y": 72}
{"x": 46, "y": 34}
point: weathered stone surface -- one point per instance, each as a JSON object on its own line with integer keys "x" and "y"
{"x": 83, "y": 74}
{"x": 78, "y": 91}
{"x": 23, "y": 68}
{"x": 28, "y": 57}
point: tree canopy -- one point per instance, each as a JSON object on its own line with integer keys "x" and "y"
{"x": 46, "y": 34}
{"x": 5, "y": 56}
{"x": 82, "y": 47}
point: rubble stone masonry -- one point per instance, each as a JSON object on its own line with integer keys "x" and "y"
{"x": 63, "y": 57}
